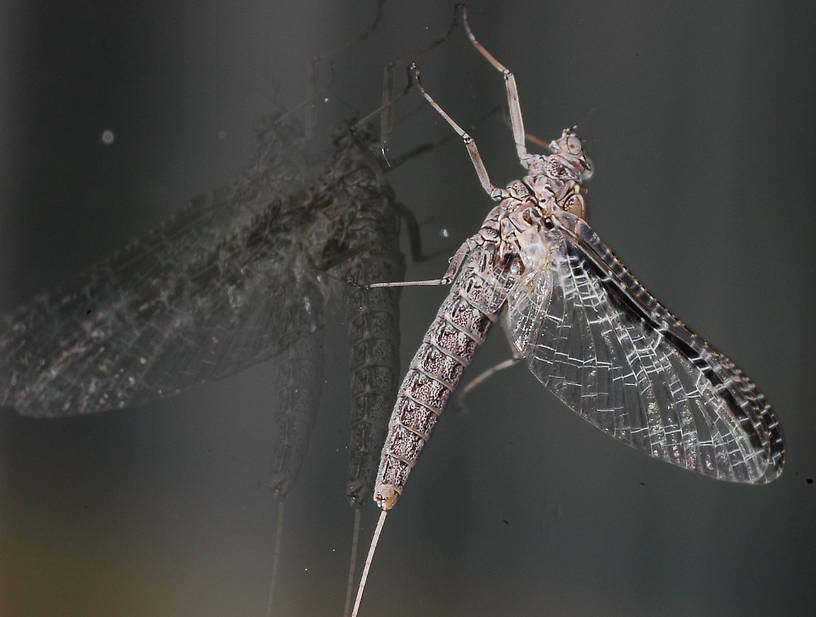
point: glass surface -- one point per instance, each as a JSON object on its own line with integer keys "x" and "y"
{"x": 699, "y": 121}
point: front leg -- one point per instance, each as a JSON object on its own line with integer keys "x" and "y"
{"x": 496, "y": 193}
{"x": 450, "y": 274}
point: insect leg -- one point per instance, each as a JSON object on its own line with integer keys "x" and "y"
{"x": 482, "y": 377}
{"x": 386, "y": 109}
{"x": 474, "y": 383}
{"x": 495, "y": 192}
{"x": 387, "y": 119}
{"x": 411, "y": 223}
{"x": 513, "y": 105}
{"x": 450, "y": 274}
{"x": 425, "y": 283}
{"x": 311, "y": 110}
{"x": 530, "y": 138}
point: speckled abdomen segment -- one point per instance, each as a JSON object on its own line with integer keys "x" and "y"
{"x": 374, "y": 361}
{"x": 373, "y": 334}
{"x": 448, "y": 347}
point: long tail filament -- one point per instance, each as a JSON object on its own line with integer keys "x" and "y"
{"x": 270, "y": 600}
{"x": 355, "y": 541}
{"x": 368, "y": 561}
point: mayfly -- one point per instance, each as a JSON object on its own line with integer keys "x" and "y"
{"x": 588, "y": 330}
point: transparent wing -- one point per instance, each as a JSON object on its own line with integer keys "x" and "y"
{"x": 221, "y": 285}
{"x": 596, "y": 338}
{"x": 117, "y": 342}
{"x": 296, "y": 375}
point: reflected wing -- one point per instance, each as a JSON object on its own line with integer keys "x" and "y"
{"x": 220, "y": 286}
{"x": 297, "y": 378}
{"x": 603, "y": 345}
{"x": 121, "y": 341}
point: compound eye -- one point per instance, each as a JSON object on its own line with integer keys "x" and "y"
{"x": 574, "y": 145}
{"x": 548, "y": 223}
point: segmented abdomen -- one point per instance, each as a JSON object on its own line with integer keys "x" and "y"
{"x": 448, "y": 347}
{"x": 373, "y": 333}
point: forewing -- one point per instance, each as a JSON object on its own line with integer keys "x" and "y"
{"x": 296, "y": 375}
{"x": 603, "y": 345}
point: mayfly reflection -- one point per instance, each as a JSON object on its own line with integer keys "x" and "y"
{"x": 586, "y": 328}
{"x": 244, "y": 274}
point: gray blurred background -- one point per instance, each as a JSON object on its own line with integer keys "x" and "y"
{"x": 700, "y": 120}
